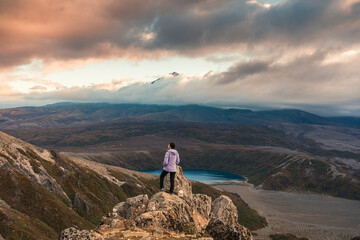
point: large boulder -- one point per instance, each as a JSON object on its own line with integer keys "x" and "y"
{"x": 201, "y": 206}
{"x": 119, "y": 209}
{"x": 224, "y": 221}
{"x": 223, "y": 208}
{"x": 219, "y": 230}
{"x": 132, "y": 207}
{"x": 167, "y": 211}
{"x": 181, "y": 183}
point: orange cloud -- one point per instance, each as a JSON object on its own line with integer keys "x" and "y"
{"x": 135, "y": 29}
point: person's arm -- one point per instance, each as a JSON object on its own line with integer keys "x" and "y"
{"x": 166, "y": 159}
{"x": 177, "y": 158}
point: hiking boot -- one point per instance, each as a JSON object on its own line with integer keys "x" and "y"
{"x": 171, "y": 193}
{"x": 162, "y": 189}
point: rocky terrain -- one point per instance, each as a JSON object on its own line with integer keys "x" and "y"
{"x": 180, "y": 215}
{"x": 43, "y": 192}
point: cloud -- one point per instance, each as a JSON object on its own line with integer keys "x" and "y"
{"x": 7, "y": 91}
{"x": 241, "y": 71}
{"x": 304, "y": 82}
{"x": 294, "y": 53}
{"x": 79, "y": 29}
{"x": 38, "y": 87}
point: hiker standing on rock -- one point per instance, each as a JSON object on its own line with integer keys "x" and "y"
{"x": 171, "y": 159}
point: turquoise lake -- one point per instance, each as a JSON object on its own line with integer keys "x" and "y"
{"x": 205, "y": 176}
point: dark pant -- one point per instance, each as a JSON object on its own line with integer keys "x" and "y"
{"x": 172, "y": 179}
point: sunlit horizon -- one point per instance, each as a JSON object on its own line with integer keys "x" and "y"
{"x": 265, "y": 54}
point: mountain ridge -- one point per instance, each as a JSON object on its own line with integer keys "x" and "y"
{"x": 81, "y": 114}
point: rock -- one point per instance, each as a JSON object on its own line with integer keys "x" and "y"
{"x": 223, "y": 208}
{"x": 201, "y": 206}
{"x": 119, "y": 209}
{"x": 1, "y": 237}
{"x": 135, "y": 206}
{"x": 132, "y": 207}
{"x": 219, "y": 230}
{"x": 168, "y": 216}
{"x": 80, "y": 202}
{"x": 115, "y": 225}
{"x": 154, "y": 220}
{"x": 181, "y": 183}
{"x": 167, "y": 211}
{"x": 75, "y": 234}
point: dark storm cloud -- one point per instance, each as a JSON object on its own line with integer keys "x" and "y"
{"x": 81, "y": 29}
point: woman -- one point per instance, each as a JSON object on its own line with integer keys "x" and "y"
{"x": 169, "y": 166}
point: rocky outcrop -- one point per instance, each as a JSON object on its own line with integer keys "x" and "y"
{"x": 188, "y": 216}
{"x": 168, "y": 212}
{"x": 201, "y": 205}
{"x": 224, "y": 221}
{"x": 181, "y": 184}
{"x": 223, "y": 208}
{"x": 132, "y": 207}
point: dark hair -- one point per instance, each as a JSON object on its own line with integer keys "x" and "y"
{"x": 172, "y": 145}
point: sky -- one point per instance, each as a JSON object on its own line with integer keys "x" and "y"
{"x": 268, "y": 54}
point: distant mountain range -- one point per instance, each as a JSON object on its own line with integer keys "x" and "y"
{"x": 81, "y": 114}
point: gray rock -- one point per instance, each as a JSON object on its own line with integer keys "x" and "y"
{"x": 135, "y": 206}
{"x": 223, "y": 208}
{"x": 202, "y": 204}
{"x": 181, "y": 183}
{"x": 219, "y": 230}
{"x": 119, "y": 209}
{"x": 168, "y": 212}
{"x": 80, "y": 202}
{"x": 75, "y": 234}
{"x": 132, "y": 207}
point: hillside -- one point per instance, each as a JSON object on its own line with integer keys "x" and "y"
{"x": 50, "y": 191}
{"x": 266, "y": 156}
{"x": 75, "y": 115}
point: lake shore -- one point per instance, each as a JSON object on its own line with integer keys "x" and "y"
{"x": 305, "y": 215}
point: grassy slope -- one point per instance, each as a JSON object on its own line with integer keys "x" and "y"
{"x": 260, "y": 166}
{"x": 49, "y": 211}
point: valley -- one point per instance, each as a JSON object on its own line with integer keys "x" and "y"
{"x": 87, "y": 149}
{"x": 307, "y": 215}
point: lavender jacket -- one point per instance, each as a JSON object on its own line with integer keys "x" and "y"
{"x": 170, "y": 160}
